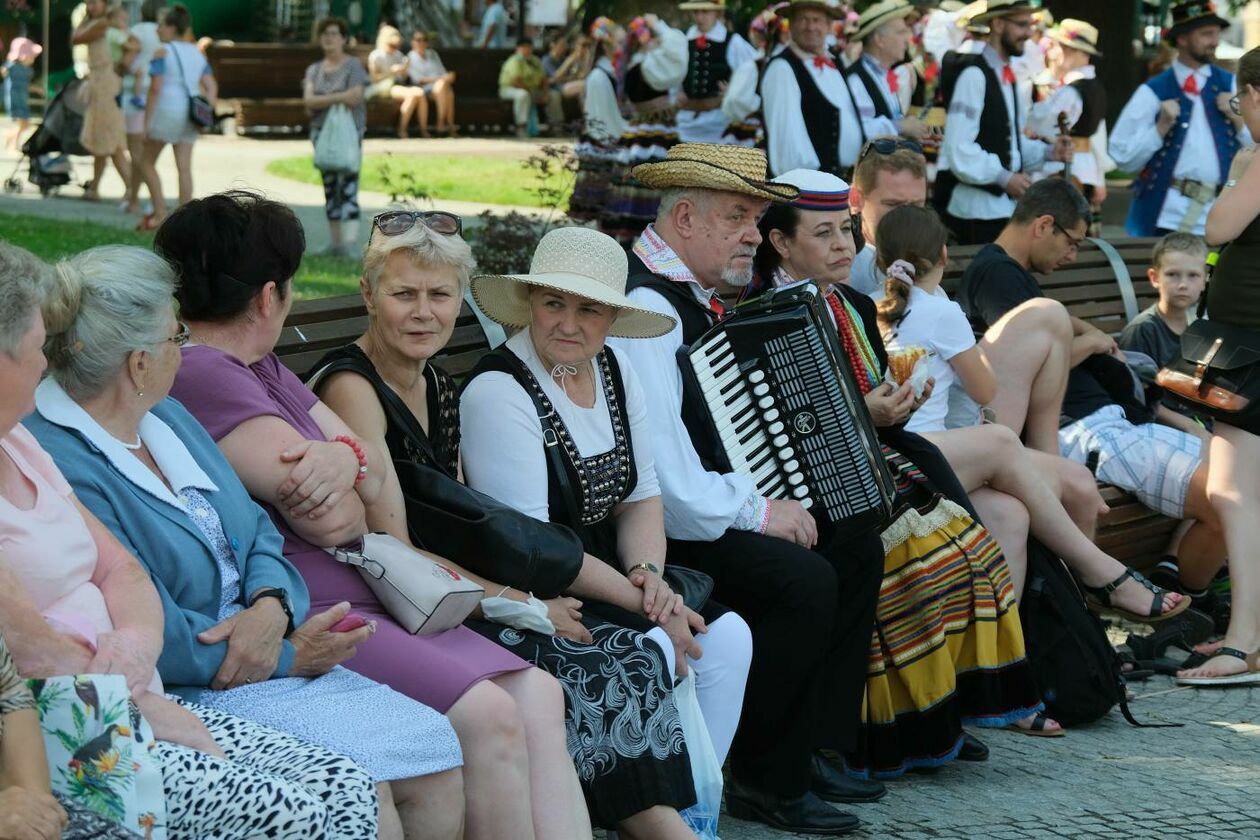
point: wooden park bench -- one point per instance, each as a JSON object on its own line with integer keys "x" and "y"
{"x": 260, "y": 88}
{"x": 1106, "y": 286}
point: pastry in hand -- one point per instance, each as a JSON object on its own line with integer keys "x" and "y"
{"x": 901, "y": 362}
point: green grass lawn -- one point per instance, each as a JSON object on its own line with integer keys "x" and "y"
{"x": 52, "y": 239}
{"x": 452, "y": 177}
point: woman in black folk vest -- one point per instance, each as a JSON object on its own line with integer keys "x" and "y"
{"x": 657, "y": 65}
{"x": 622, "y": 722}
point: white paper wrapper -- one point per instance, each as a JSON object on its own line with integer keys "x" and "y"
{"x": 918, "y": 376}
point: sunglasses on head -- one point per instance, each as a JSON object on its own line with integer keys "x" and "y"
{"x": 395, "y": 222}
{"x": 888, "y": 145}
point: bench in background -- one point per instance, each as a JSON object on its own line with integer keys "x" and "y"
{"x": 1106, "y": 287}
{"x": 260, "y": 88}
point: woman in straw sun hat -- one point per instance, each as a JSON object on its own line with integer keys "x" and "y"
{"x": 558, "y": 367}
{"x": 632, "y": 763}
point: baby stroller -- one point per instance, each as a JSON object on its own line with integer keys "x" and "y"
{"x": 47, "y": 150}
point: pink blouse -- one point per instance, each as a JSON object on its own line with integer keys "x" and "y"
{"x": 50, "y": 548}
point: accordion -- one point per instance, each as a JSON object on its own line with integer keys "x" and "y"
{"x": 784, "y": 408}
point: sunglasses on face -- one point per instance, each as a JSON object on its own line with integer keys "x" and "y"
{"x": 888, "y": 145}
{"x": 395, "y": 222}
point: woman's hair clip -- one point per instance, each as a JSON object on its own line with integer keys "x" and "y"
{"x": 902, "y": 270}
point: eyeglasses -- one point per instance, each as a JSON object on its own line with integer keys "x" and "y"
{"x": 1073, "y": 242}
{"x": 395, "y": 222}
{"x": 182, "y": 336}
{"x": 1235, "y": 105}
{"x": 888, "y": 145}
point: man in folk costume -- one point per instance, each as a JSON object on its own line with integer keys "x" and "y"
{"x": 986, "y": 156}
{"x": 713, "y": 54}
{"x": 1080, "y": 99}
{"x": 810, "y": 117}
{"x": 1179, "y": 131}
{"x": 808, "y": 597}
{"x": 881, "y": 80}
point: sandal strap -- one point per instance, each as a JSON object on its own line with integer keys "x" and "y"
{"x": 1234, "y": 652}
{"x": 1103, "y": 593}
{"x": 1158, "y": 593}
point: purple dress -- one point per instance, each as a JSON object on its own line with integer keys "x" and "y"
{"x": 222, "y": 392}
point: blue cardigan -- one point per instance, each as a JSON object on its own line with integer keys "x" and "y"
{"x": 171, "y": 547}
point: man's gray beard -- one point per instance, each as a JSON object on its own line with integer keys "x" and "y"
{"x": 737, "y": 277}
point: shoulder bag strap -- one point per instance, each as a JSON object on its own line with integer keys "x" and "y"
{"x": 551, "y": 445}
{"x": 191, "y": 90}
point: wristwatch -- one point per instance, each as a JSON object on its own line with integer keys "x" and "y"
{"x": 280, "y": 595}
{"x": 647, "y": 567}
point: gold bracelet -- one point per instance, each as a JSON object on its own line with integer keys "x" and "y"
{"x": 647, "y": 567}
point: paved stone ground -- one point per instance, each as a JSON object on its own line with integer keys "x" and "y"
{"x": 1107, "y": 780}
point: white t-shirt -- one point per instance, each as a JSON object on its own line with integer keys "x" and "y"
{"x": 501, "y": 440}
{"x": 934, "y": 322}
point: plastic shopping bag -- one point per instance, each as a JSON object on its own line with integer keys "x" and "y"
{"x": 702, "y": 818}
{"x": 337, "y": 147}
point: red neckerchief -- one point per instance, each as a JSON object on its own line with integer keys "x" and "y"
{"x": 702, "y": 41}
{"x": 893, "y": 84}
{"x": 1192, "y": 85}
{"x": 822, "y": 61}
{"x": 1008, "y": 75}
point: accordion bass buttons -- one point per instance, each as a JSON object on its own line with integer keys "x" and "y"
{"x": 777, "y": 429}
{"x": 781, "y": 441}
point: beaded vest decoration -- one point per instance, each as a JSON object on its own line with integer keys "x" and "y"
{"x": 604, "y": 479}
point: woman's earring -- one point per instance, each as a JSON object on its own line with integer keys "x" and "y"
{"x": 139, "y": 393}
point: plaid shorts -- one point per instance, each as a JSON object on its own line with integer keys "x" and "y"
{"x": 1152, "y": 461}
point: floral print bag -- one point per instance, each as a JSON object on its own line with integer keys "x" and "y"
{"x": 102, "y": 754}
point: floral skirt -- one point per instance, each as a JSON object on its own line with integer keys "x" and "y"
{"x": 624, "y": 734}
{"x": 947, "y": 647}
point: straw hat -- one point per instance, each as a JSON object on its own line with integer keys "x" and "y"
{"x": 707, "y": 166}
{"x": 1005, "y": 8}
{"x": 1077, "y": 34}
{"x": 1187, "y": 17}
{"x": 577, "y": 260}
{"x": 831, "y": 7}
{"x": 883, "y": 12}
{"x": 703, "y": 6}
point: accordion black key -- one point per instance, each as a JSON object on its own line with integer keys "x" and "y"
{"x": 786, "y": 411}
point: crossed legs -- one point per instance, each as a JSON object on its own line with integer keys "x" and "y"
{"x": 1029, "y": 350}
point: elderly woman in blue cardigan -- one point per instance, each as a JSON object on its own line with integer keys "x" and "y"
{"x": 236, "y": 634}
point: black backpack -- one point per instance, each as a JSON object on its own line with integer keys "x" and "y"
{"x": 1076, "y": 668}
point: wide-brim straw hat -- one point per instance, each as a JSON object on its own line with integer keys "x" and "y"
{"x": 1187, "y": 17}
{"x": 833, "y": 9}
{"x": 703, "y": 6}
{"x": 1078, "y": 35}
{"x": 995, "y": 9}
{"x": 579, "y": 261}
{"x": 883, "y": 12}
{"x": 708, "y": 166}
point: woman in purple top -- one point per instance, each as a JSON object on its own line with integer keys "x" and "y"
{"x": 235, "y": 254}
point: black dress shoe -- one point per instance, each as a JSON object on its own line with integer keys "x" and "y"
{"x": 831, "y": 783}
{"x": 805, "y": 814}
{"x": 972, "y": 749}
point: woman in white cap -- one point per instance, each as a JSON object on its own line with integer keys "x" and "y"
{"x": 914, "y": 711}
{"x": 622, "y": 722}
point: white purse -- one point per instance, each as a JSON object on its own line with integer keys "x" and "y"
{"x": 422, "y": 595}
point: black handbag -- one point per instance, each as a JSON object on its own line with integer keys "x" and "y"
{"x": 468, "y": 527}
{"x": 1218, "y": 369}
{"x": 694, "y": 586}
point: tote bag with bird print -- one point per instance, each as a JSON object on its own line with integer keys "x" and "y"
{"x": 101, "y": 753}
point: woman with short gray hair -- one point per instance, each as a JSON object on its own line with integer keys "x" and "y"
{"x": 236, "y": 635}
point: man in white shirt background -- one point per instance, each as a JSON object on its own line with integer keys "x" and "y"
{"x": 881, "y": 81}
{"x": 1178, "y": 130}
{"x": 811, "y": 120}
{"x": 986, "y": 157}
{"x": 714, "y": 53}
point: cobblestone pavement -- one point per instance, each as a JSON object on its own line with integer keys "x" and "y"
{"x": 1106, "y": 780}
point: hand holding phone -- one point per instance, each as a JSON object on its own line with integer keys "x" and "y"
{"x": 351, "y": 621}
